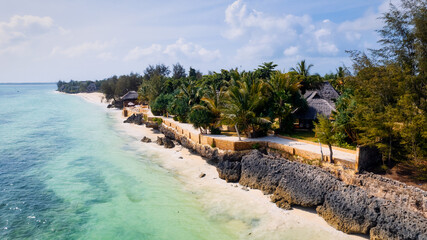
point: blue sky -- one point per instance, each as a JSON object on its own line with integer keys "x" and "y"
{"x": 47, "y": 41}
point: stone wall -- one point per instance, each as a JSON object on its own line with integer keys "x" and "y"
{"x": 228, "y": 145}
{"x": 367, "y": 158}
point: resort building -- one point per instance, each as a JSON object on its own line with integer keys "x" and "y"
{"x": 319, "y": 101}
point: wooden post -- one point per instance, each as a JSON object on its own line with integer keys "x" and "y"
{"x": 321, "y": 151}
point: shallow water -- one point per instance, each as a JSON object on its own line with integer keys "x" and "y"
{"x": 66, "y": 172}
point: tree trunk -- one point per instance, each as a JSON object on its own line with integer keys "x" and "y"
{"x": 389, "y": 152}
{"x": 321, "y": 151}
{"x": 330, "y": 153}
{"x": 237, "y": 130}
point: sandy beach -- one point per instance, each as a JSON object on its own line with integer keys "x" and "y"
{"x": 218, "y": 196}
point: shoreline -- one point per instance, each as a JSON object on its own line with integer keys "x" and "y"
{"x": 211, "y": 190}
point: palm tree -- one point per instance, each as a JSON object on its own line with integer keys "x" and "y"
{"x": 308, "y": 81}
{"x": 190, "y": 91}
{"x": 243, "y": 100}
{"x": 213, "y": 100}
{"x": 283, "y": 88}
{"x": 302, "y": 69}
{"x": 264, "y": 71}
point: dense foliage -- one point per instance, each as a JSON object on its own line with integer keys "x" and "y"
{"x": 78, "y": 86}
{"x": 382, "y": 102}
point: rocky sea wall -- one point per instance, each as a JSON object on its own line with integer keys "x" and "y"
{"x": 364, "y": 203}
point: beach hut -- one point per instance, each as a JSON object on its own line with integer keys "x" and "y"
{"x": 319, "y": 101}
{"x": 129, "y": 99}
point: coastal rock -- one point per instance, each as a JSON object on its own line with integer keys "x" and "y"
{"x": 152, "y": 125}
{"x": 260, "y": 172}
{"x": 233, "y": 156}
{"x": 159, "y": 141}
{"x": 135, "y": 118}
{"x": 168, "y": 133}
{"x": 115, "y": 104}
{"x": 369, "y": 204}
{"x": 146, "y": 139}
{"x": 396, "y": 222}
{"x": 167, "y": 143}
{"x": 229, "y": 171}
{"x": 207, "y": 152}
{"x": 291, "y": 182}
{"x": 350, "y": 210}
{"x": 399, "y": 193}
{"x": 280, "y": 202}
{"x": 304, "y": 185}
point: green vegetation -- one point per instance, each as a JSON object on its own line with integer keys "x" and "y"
{"x": 159, "y": 121}
{"x": 78, "y": 86}
{"x": 382, "y": 102}
{"x": 325, "y": 131}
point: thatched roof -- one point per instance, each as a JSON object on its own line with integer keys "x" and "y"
{"x": 319, "y": 101}
{"x": 130, "y": 96}
{"x": 325, "y": 91}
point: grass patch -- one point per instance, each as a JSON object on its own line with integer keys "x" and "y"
{"x": 310, "y": 136}
{"x": 304, "y": 135}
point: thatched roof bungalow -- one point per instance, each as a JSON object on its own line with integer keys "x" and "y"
{"x": 129, "y": 99}
{"x": 319, "y": 101}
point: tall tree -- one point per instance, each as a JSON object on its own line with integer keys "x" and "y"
{"x": 159, "y": 69}
{"x": 285, "y": 98}
{"x": 402, "y": 34}
{"x": 178, "y": 71}
{"x": 302, "y": 68}
{"x": 308, "y": 81}
{"x": 241, "y": 109}
{"x": 325, "y": 131}
{"x": 265, "y": 70}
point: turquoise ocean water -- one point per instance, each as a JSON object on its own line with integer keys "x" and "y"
{"x": 66, "y": 172}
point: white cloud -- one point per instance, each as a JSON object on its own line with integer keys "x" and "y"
{"x": 291, "y": 51}
{"x": 105, "y": 56}
{"x": 325, "y": 45}
{"x": 180, "y": 49}
{"x": 266, "y": 36}
{"x": 81, "y": 49}
{"x": 20, "y": 28}
{"x": 241, "y": 21}
{"x": 138, "y": 52}
{"x": 369, "y": 22}
{"x": 191, "y": 50}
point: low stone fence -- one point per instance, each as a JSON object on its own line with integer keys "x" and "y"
{"x": 364, "y": 156}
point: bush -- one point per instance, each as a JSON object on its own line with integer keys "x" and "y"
{"x": 159, "y": 106}
{"x": 256, "y": 146}
{"x": 215, "y": 131}
{"x": 201, "y": 118}
{"x": 159, "y": 121}
{"x": 179, "y": 107}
